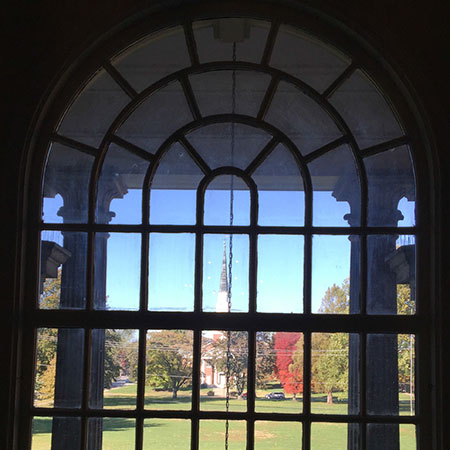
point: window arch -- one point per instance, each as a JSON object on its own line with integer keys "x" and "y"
{"x": 142, "y": 160}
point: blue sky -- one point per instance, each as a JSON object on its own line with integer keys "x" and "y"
{"x": 171, "y": 258}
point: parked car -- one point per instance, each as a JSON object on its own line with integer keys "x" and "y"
{"x": 275, "y": 396}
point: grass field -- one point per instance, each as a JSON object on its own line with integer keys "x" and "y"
{"x": 174, "y": 434}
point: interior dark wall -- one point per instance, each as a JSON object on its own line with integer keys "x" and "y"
{"x": 42, "y": 37}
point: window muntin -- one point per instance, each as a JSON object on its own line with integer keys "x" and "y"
{"x": 157, "y": 125}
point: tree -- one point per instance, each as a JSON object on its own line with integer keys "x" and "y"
{"x": 289, "y": 374}
{"x": 265, "y": 358}
{"x": 336, "y": 299}
{"x": 169, "y": 360}
{"x": 237, "y": 358}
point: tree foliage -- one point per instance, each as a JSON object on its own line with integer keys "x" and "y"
{"x": 265, "y": 358}
{"x": 169, "y": 360}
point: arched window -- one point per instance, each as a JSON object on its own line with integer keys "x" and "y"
{"x": 234, "y": 174}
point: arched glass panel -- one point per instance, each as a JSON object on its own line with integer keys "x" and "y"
{"x": 337, "y": 193}
{"x": 119, "y": 191}
{"x": 301, "y": 119}
{"x": 174, "y": 185}
{"x": 157, "y": 118}
{"x": 213, "y": 143}
{"x": 222, "y": 192}
{"x": 93, "y": 110}
{"x": 307, "y": 58}
{"x": 213, "y": 91}
{"x": 152, "y": 58}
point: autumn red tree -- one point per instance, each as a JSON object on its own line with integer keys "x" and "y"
{"x": 291, "y": 378}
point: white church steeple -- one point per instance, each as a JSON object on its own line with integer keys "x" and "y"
{"x": 222, "y": 296}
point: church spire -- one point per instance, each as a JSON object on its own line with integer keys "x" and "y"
{"x": 223, "y": 275}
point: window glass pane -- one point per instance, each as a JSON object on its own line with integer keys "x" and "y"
{"x": 212, "y": 434}
{"x": 281, "y": 200}
{"x": 171, "y": 272}
{"x": 63, "y": 270}
{"x": 214, "y": 92}
{"x": 213, "y": 143}
{"x": 334, "y": 373}
{"x": 161, "y": 114}
{"x": 119, "y": 196}
{"x": 301, "y": 119}
{"x": 168, "y": 369}
{"x": 59, "y": 367}
{"x": 173, "y": 192}
{"x": 282, "y": 435}
{"x": 280, "y": 274}
{"x": 337, "y": 194}
{"x": 113, "y": 376}
{"x": 383, "y": 435}
{"x": 215, "y": 39}
{"x": 390, "y": 374}
{"x": 213, "y": 369}
{"x": 116, "y": 433}
{"x": 391, "y": 278}
{"x": 391, "y": 186}
{"x": 365, "y": 111}
{"x": 66, "y": 185}
{"x": 57, "y": 432}
{"x": 332, "y": 436}
{"x": 165, "y": 434}
{"x": 94, "y": 110}
{"x": 331, "y": 285}
{"x": 223, "y": 193}
{"x": 216, "y": 248}
{"x": 307, "y": 58}
{"x": 117, "y": 271}
{"x": 279, "y": 372}
{"x": 153, "y": 58}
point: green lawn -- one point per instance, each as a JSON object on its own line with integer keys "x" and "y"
{"x": 168, "y": 434}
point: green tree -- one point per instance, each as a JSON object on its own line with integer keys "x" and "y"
{"x": 169, "y": 360}
{"x": 265, "y": 358}
{"x": 336, "y": 299}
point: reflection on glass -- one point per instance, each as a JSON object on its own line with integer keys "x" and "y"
{"x": 332, "y": 436}
{"x": 331, "y": 274}
{"x": 383, "y": 435}
{"x": 212, "y": 435}
{"x": 63, "y": 270}
{"x": 337, "y": 195}
{"x": 216, "y": 272}
{"x": 391, "y": 184}
{"x": 94, "y": 110}
{"x": 115, "y": 287}
{"x": 280, "y": 273}
{"x": 154, "y": 57}
{"x": 365, "y": 111}
{"x": 390, "y": 372}
{"x": 118, "y": 432}
{"x": 167, "y": 434}
{"x": 226, "y": 195}
{"x": 213, "y": 369}
{"x": 214, "y": 92}
{"x": 279, "y": 372}
{"x": 168, "y": 369}
{"x": 174, "y": 189}
{"x": 307, "y": 58}
{"x": 391, "y": 276}
{"x": 171, "y": 288}
{"x": 121, "y": 179}
{"x": 213, "y": 144}
{"x": 333, "y": 392}
{"x": 59, "y": 367}
{"x": 154, "y": 120}
{"x": 114, "y": 356}
{"x": 301, "y": 119}
{"x": 283, "y": 435}
{"x": 66, "y": 185}
{"x": 281, "y": 201}
{"x": 43, "y": 438}
{"x": 215, "y": 39}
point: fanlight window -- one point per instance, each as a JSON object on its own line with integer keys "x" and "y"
{"x": 233, "y": 175}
